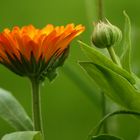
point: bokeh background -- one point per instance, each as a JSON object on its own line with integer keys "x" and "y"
{"x": 71, "y": 103}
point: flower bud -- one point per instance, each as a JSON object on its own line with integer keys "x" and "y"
{"x": 106, "y": 35}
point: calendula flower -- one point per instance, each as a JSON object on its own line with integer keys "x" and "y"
{"x": 33, "y": 52}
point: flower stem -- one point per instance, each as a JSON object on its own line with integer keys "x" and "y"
{"x": 103, "y": 99}
{"x": 36, "y": 108}
{"x": 113, "y": 55}
{"x": 100, "y": 10}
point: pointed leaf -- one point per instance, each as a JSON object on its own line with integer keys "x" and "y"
{"x": 137, "y": 83}
{"x": 105, "y": 137}
{"x": 12, "y": 112}
{"x": 125, "y": 57}
{"x": 98, "y": 58}
{"x": 27, "y": 135}
{"x": 114, "y": 85}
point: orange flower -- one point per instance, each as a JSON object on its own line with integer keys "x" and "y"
{"x": 31, "y": 52}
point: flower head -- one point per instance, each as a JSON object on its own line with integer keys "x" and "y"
{"x": 33, "y": 52}
{"x": 106, "y": 35}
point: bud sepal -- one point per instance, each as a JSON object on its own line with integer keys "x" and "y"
{"x": 106, "y": 35}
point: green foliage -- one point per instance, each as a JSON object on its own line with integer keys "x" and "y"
{"x": 27, "y": 135}
{"x": 117, "y": 81}
{"x": 105, "y": 137}
{"x": 69, "y": 115}
{"x": 98, "y": 58}
{"x": 126, "y": 48}
{"x": 97, "y": 129}
{"x": 115, "y": 86}
{"x": 12, "y": 112}
{"x": 113, "y": 80}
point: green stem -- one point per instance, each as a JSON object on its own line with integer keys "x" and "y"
{"x": 113, "y": 55}
{"x": 103, "y": 99}
{"x": 100, "y": 10}
{"x": 36, "y": 108}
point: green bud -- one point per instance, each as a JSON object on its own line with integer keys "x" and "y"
{"x": 106, "y": 35}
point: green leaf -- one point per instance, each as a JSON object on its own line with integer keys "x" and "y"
{"x": 137, "y": 83}
{"x": 114, "y": 85}
{"x": 105, "y": 137}
{"x": 27, "y": 135}
{"x": 98, "y": 58}
{"x": 126, "y": 48}
{"x": 12, "y": 112}
{"x": 96, "y": 130}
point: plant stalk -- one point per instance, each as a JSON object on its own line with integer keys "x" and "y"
{"x": 113, "y": 55}
{"x": 100, "y": 10}
{"x": 103, "y": 99}
{"x": 36, "y": 107}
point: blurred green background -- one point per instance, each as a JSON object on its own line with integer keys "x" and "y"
{"x": 71, "y": 103}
